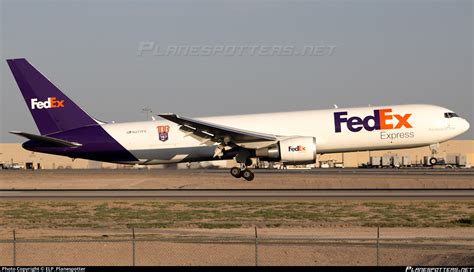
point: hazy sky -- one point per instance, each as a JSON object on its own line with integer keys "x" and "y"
{"x": 386, "y": 52}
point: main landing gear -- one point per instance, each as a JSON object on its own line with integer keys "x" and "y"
{"x": 242, "y": 172}
{"x": 242, "y": 157}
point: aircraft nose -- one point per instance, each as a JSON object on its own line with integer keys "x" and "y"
{"x": 464, "y": 125}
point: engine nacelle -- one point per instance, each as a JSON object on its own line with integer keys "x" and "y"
{"x": 296, "y": 150}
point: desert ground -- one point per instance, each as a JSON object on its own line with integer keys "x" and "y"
{"x": 222, "y": 232}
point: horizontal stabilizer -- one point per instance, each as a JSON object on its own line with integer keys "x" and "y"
{"x": 46, "y": 140}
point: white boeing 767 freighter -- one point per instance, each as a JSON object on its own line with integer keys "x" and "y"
{"x": 288, "y": 137}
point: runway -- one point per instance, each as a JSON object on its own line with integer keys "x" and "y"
{"x": 241, "y": 194}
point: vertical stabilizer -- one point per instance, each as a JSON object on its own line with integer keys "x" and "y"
{"x": 51, "y": 109}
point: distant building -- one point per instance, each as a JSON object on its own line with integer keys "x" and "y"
{"x": 415, "y": 155}
{"x": 13, "y": 153}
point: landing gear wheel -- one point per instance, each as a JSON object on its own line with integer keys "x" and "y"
{"x": 235, "y": 172}
{"x": 248, "y": 175}
{"x": 433, "y": 161}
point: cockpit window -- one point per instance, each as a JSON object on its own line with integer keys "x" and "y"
{"x": 450, "y": 115}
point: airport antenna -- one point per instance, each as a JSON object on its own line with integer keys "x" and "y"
{"x": 147, "y": 111}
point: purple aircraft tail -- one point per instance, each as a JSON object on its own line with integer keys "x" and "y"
{"x": 52, "y": 110}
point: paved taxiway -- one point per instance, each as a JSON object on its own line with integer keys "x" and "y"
{"x": 240, "y": 194}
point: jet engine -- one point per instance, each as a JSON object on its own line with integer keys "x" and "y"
{"x": 294, "y": 150}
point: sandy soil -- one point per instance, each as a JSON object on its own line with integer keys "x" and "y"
{"x": 165, "y": 253}
{"x": 241, "y": 233}
{"x": 275, "y": 252}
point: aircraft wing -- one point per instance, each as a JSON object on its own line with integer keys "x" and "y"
{"x": 50, "y": 141}
{"x": 218, "y": 133}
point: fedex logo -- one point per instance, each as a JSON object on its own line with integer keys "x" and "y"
{"x": 51, "y": 103}
{"x": 298, "y": 148}
{"x": 382, "y": 119}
